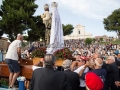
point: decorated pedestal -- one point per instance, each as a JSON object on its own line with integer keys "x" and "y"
{"x": 36, "y": 60}
{"x": 58, "y": 62}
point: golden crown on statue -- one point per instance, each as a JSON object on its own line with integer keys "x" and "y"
{"x": 54, "y": 4}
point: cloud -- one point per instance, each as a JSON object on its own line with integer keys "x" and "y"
{"x": 96, "y": 9}
{"x": 0, "y": 2}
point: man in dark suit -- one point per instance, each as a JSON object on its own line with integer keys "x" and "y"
{"x": 72, "y": 77}
{"x": 117, "y": 60}
{"x": 112, "y": 72}
{"x": 47, "y": 78}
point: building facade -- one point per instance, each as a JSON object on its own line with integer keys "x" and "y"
{"x": 78, "y": 33}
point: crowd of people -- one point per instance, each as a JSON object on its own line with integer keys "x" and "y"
{"x": 103, "y": 60}
{"x": 81, "y": 74}
{"x": 96, "y": 67}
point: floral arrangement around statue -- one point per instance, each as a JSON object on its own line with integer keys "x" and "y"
{"x": 63, "y": 53}
{"x": 39, "y": 52}
{"x": 60, "y": 54}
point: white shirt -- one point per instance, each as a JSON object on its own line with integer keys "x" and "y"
{"x": 12, "y": 50}
{"x": 82, "y": 82}
{"x": 35, "y": 67}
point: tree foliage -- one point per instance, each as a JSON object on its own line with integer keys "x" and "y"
{"x": 26, "y": 38}
{"x": 88, "y": 41}
{"x": 17, "y": 16}
{"x": 67, "y": 29}
{"x": 1, "y": 33}
{"x": 101, "y": 39}
{"x": 94, "y": 40}
{"x": 38, "y": 31}
{"x": 112, "y": 22}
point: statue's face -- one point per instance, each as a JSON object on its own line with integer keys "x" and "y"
{"x": 46, "y": 9}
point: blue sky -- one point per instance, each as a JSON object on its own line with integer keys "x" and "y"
{"x": 89, "y": 13}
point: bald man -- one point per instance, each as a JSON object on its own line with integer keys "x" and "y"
{"x": 12, "y": 57}
{"x": 97, "y": 70}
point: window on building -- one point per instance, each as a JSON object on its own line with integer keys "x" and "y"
{"x": 79, "y": 32}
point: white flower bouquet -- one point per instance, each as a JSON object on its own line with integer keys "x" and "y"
{"x": 21, "y": 78}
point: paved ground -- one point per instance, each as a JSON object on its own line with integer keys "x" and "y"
{"x": 3, "y": 89}
{"x": 8, "y": 89}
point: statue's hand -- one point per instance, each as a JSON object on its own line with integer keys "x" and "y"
{"x": 43, "y": 15}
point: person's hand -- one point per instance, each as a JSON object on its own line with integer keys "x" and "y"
{"x": 20, "y": 59}
{"x": 115, "y": 55}
{"x": 19, "y": 62}
{"x": 28, "y": 55}
{"x": 87, "y": 64}
{"x": 106, "y": 62}
{"x": 117, "y": 83}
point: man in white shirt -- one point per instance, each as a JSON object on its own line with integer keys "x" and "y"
{"x": 12, "y": 57}
{"x": 82, "y": 62}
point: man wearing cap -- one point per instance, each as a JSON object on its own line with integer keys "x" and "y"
{"x": 72, "y": 77}
{"x": 75, "y": 64}
{"x": 82, "y": 62}
{"x": 93, "y": 81}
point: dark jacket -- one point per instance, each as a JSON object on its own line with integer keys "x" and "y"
{"x": 112, "y": 75}
{"x": 73, "y": 78}
{"x": 103, "y": 75}
{"x": 31, "y": 49}
{"x": 49, "y": 79}
{"x": 117, "y": 60}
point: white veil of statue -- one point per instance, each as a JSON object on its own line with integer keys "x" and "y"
{"x": 56, "y": 37}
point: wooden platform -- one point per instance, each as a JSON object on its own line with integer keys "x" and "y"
{"x": 26, "y": 69}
